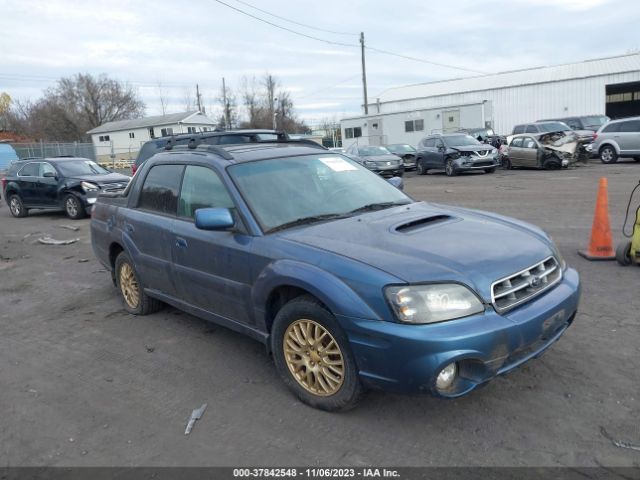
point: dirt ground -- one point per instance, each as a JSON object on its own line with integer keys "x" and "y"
{"x": 83, "y": 383}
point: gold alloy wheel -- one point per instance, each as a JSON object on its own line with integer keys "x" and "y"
{"x": 129, "y": 285}
{"x": 313, "y": 357}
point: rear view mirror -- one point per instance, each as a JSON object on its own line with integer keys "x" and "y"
{"x": 396, "y": 182}
{"x": 214, "y": 219}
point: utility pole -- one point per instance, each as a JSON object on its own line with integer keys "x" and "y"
{"x": 227, "y": 122}
{"x": 364, "y": 75}
{"x": 198, "y": 98}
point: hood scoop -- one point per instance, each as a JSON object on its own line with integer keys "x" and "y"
{"x": 420, "y": 223}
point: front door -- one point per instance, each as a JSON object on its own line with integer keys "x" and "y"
{"x": 515, "y": 152}
{"x": 529, "y": 152}
{"x": 436, "y": 155}
{"x": 212, "y": 267}
{"x": 48, "y": 185}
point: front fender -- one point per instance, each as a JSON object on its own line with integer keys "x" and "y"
{"x": 329, "y": 289}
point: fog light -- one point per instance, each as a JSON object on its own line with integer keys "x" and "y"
{"x": 447, "y": 376}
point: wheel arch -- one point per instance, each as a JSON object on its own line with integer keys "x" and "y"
{"x": 609, "y": 143}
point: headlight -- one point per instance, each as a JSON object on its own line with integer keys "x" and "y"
{"x": 558, "y": 255}
{"x": 88, "y": 186}
{"x": 432, "y": 303}
{"x": 369, "y": 163}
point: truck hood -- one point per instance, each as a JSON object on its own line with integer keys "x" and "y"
{"x": 424, "y": 242}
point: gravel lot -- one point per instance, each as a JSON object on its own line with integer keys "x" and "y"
{"x": 83, "y": 383}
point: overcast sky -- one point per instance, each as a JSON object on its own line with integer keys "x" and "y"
{"x": 180, "y": 44}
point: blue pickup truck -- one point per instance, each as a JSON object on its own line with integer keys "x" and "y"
{"x": 349, "y": 282}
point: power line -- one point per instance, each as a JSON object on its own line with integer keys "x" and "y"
{"x": 296, "y": 23}
{"x": 330, "y": 42}
{"x": 385, "y": 52}
{"x": 341, "y": 44}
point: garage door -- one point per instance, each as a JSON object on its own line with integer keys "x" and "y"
{"x": 623, "y": 100}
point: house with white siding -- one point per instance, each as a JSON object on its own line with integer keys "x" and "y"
{"x": 121, "y": 140}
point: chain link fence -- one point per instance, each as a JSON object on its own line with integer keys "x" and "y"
{"x": 42, "y": 150}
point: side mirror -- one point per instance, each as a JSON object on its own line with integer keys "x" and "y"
{"x": 396, "y": 182}
{"x": 441, "y": 148}
{"x": 214, "y": 219}
{"x": 49, "y": 175}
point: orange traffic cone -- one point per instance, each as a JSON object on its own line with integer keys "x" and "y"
{"x": 601, "y": 244}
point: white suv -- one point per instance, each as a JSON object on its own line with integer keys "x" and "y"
{"x": 618, "y": 138}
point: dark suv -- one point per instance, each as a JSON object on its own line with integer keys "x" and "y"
{"x": 455, "y": 152}
{"x": 226, "y": 137}
{"x": 586, "y": 122}
{"x": 69, "y": 184}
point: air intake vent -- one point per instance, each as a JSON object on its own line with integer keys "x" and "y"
{"x": 420, "y": 223}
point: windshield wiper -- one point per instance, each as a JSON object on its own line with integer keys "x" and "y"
{"x": 305, "y": 221}
{"x": 377, "y": 206}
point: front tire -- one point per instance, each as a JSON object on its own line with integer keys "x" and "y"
{"x": 313, "y": 357}
{"x": 506, "y": 164}
{"x": 16, "y": 207}
{"x": 608, "y": 154}
{"x": 73, "y": 207}
{"x": 134, "y": 299}
{"x": 623, "y": 254}
{"x": 450, "y": 169}
{"x": 490, "y": 170}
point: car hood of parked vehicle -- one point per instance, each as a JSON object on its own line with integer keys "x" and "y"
{"x": 423, "y": 242}
{"x": 380, "y": 158}
{"x": 473, "y": 148}
{"x": 105, "y": 179}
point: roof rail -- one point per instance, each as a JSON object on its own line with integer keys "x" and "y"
{"x": 203, "y": 147}
{"x": 304, "y": 141}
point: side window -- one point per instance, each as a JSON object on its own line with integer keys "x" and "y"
{"x": 529, "y": 143}
{"x": 531, "y": 129}
{"x": 47, "y": 168}
{"x": 30, "y": 170}
{"x": 574, "y": 123}
{"x": 438, "y": 143}
{"x": 430, "y": 142}
{"x": 419, "y": 125}
{"x": 612, "y": 128}
{"x": 357, "y": 132}
{"x": 201, "y": 188}
{"x": 348, "y": 132}
{"x": 630, "y": 126}
{"x": 516, "y": 142}
{"x": 160, "y": 189}
{"x": 408, "y": 126}
{"x": 518, "y": 129}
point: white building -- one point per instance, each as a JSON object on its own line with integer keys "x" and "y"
{"x": 124, "y": 138}
{"x": 406, "y": 114}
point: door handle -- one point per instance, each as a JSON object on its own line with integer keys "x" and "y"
{"x": 181, "y": 242}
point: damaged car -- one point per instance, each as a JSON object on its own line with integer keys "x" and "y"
{"x": 406, "y": 152}
{"x": 549, "y": 151}
{"x": 584, "y": 138}
{"x": 455, "y": 153}
{"x": 377, "y": 159}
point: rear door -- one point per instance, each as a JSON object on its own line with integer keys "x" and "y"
{"x": 148, "y": 227}
{"x": 628, "y": 137}
{"x": 212, "y": 267}
{"x": 27, "y": 180}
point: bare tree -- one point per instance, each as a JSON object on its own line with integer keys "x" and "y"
{"x": 229, "y": 104}
{"x": 162, "y": 96}
{"x": 189, "y": 99}
{"x": 74, "y": 106}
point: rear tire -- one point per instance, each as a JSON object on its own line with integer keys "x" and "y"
{"x": 73, "y": 207}
{"x": 420, "y": 168}
{"x": 16, "y": 207}
{"x": 327, "y": 381}
{"x": 506, "y": 164}
{"x": 134, "y": 299}
{"x": 608, "y": 154}
{"x": 623, "y": 254}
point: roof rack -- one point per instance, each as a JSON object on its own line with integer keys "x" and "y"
{"x": 304, "y": 141}
{"x": 203, "y": 147}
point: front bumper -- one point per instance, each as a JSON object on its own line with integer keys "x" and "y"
{"x": 476, "y": 163}
{"x": 407, "y": 358}
{"x": 391, "y": 171}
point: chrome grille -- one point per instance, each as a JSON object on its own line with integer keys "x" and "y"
{"x": 526, "y": 284}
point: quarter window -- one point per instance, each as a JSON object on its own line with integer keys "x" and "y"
{"x": 160, "y": 189}
{"x": 202, "y": 188}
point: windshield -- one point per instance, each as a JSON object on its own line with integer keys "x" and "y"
{"x": 370, "y": 151}
{"x": 554, "y": 127}
{"x": 284, "y": 190}
{"x": 401, "y": 148}
{"x": 74, "y": 168}
{"x": 460, "y": 140}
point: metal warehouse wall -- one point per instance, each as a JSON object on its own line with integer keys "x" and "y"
{"x": 513, "y": 105}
